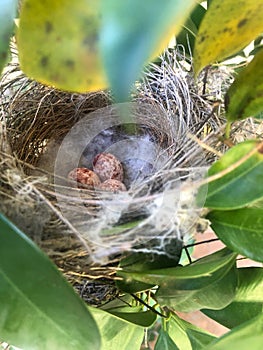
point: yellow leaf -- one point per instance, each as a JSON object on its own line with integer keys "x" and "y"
{"x": 58, "y": 43}
{"x": 228, "y": 26}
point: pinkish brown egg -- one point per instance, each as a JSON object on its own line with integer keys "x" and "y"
{"x": 112, "y": 185}
{"x": 84, "y": 176}
{"x": 107, "y": 166}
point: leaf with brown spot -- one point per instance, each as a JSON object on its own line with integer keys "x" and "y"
{"x": 227, "y": 27}
{"x": 58, "y": 44}
{"x": 245, "y": 96}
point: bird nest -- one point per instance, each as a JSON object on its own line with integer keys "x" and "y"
{"x": 45, "y": 133}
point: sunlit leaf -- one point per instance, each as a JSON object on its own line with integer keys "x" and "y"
{"x": 186, "y": 335}
{"x": 177, "y": 331}
{"x": 250, "y": 285}
{"x": 7, "y": 14}
{"x": 249, "y": 335}
{"x": 199, "y": 339}
{"x": 132, "y": 31}
{"x": 117, "y": 334}
{"x": 164, "y": 342}
{"x": 248, "y": 300}
{"x": 58, "y": 43}
{"x": 38, "y": 309}
{"x": 245, "y": 96}
{"x": 236, "y": 177}
{"x": 241, "y": 230}
{"x": 227, "y": 27}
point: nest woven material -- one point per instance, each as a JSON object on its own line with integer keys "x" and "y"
{"x": 45, "y": 133}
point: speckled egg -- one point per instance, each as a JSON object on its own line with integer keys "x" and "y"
{"x": 84, "y": 176}
{"x": 107, "y": 166}
{"x": 112, "y": 185}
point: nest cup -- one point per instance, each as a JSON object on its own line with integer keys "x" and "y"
{"x": 46, "y": 133}
{"x": 146, "y": 145}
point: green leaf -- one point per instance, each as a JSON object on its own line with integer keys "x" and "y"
{"x": 140, "y": 318}
{"x": 235, "y": 313}
{"x": 245, "y": 96}
{"x": 249, "y": 335}
{"x": 215, "y": 296}
{"x": 58, "y": 43}
{"x": 197, "y": 15}
{"x": 199, "y": 339}
{"x": 189, "y": 277}
{"x": 38, "y": 308}
{"x": 177, "y": 331}
{"x": 132, "y": 32}
{"x": 179, "y": 284}
{"x": 241, "y": 230}
{"x": 227, "y": 28}
{"x": 248, "y": 300}
{"x": 186, "y": 38}
{"x": 129, "y": 285}
{"x": 250, "y": 284}
{"x": 186, "y": 335}
{"x": 187, "y": 35}
{"x": 7, "y": 15}
{"x": 234, "y": 179}
{"x": 164, "y": 342}
{"x": 116, "y": 333}
{"x": 259, "y": 116}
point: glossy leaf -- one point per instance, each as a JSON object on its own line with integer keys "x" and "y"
{"x": 116, "y": 333}
{"x": 249, "y": 335}
{"x": 38, "y": 308}
{"x": 236, "y": 177}
{"x": 139, "y": 317}
{"x": 7, "y": 15}
{"x": 248, "y": 300}
{"x": 241, "y": 230}
{"x": 235, "y": 313}
{"x": 179, "y": 284}
{"x": 214, "y": 296}
{"x": 245, "y": 96}
{"x": 58, "y": 43}
{"x": 250, "y": 284}
{"x": 132, "y": 32}
{"x": 164, "y": 342}
{"x": 227, "y": 27}
{"x": 189, "y": 277}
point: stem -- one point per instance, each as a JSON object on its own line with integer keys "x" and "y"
{"x": 228, "y": 129}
